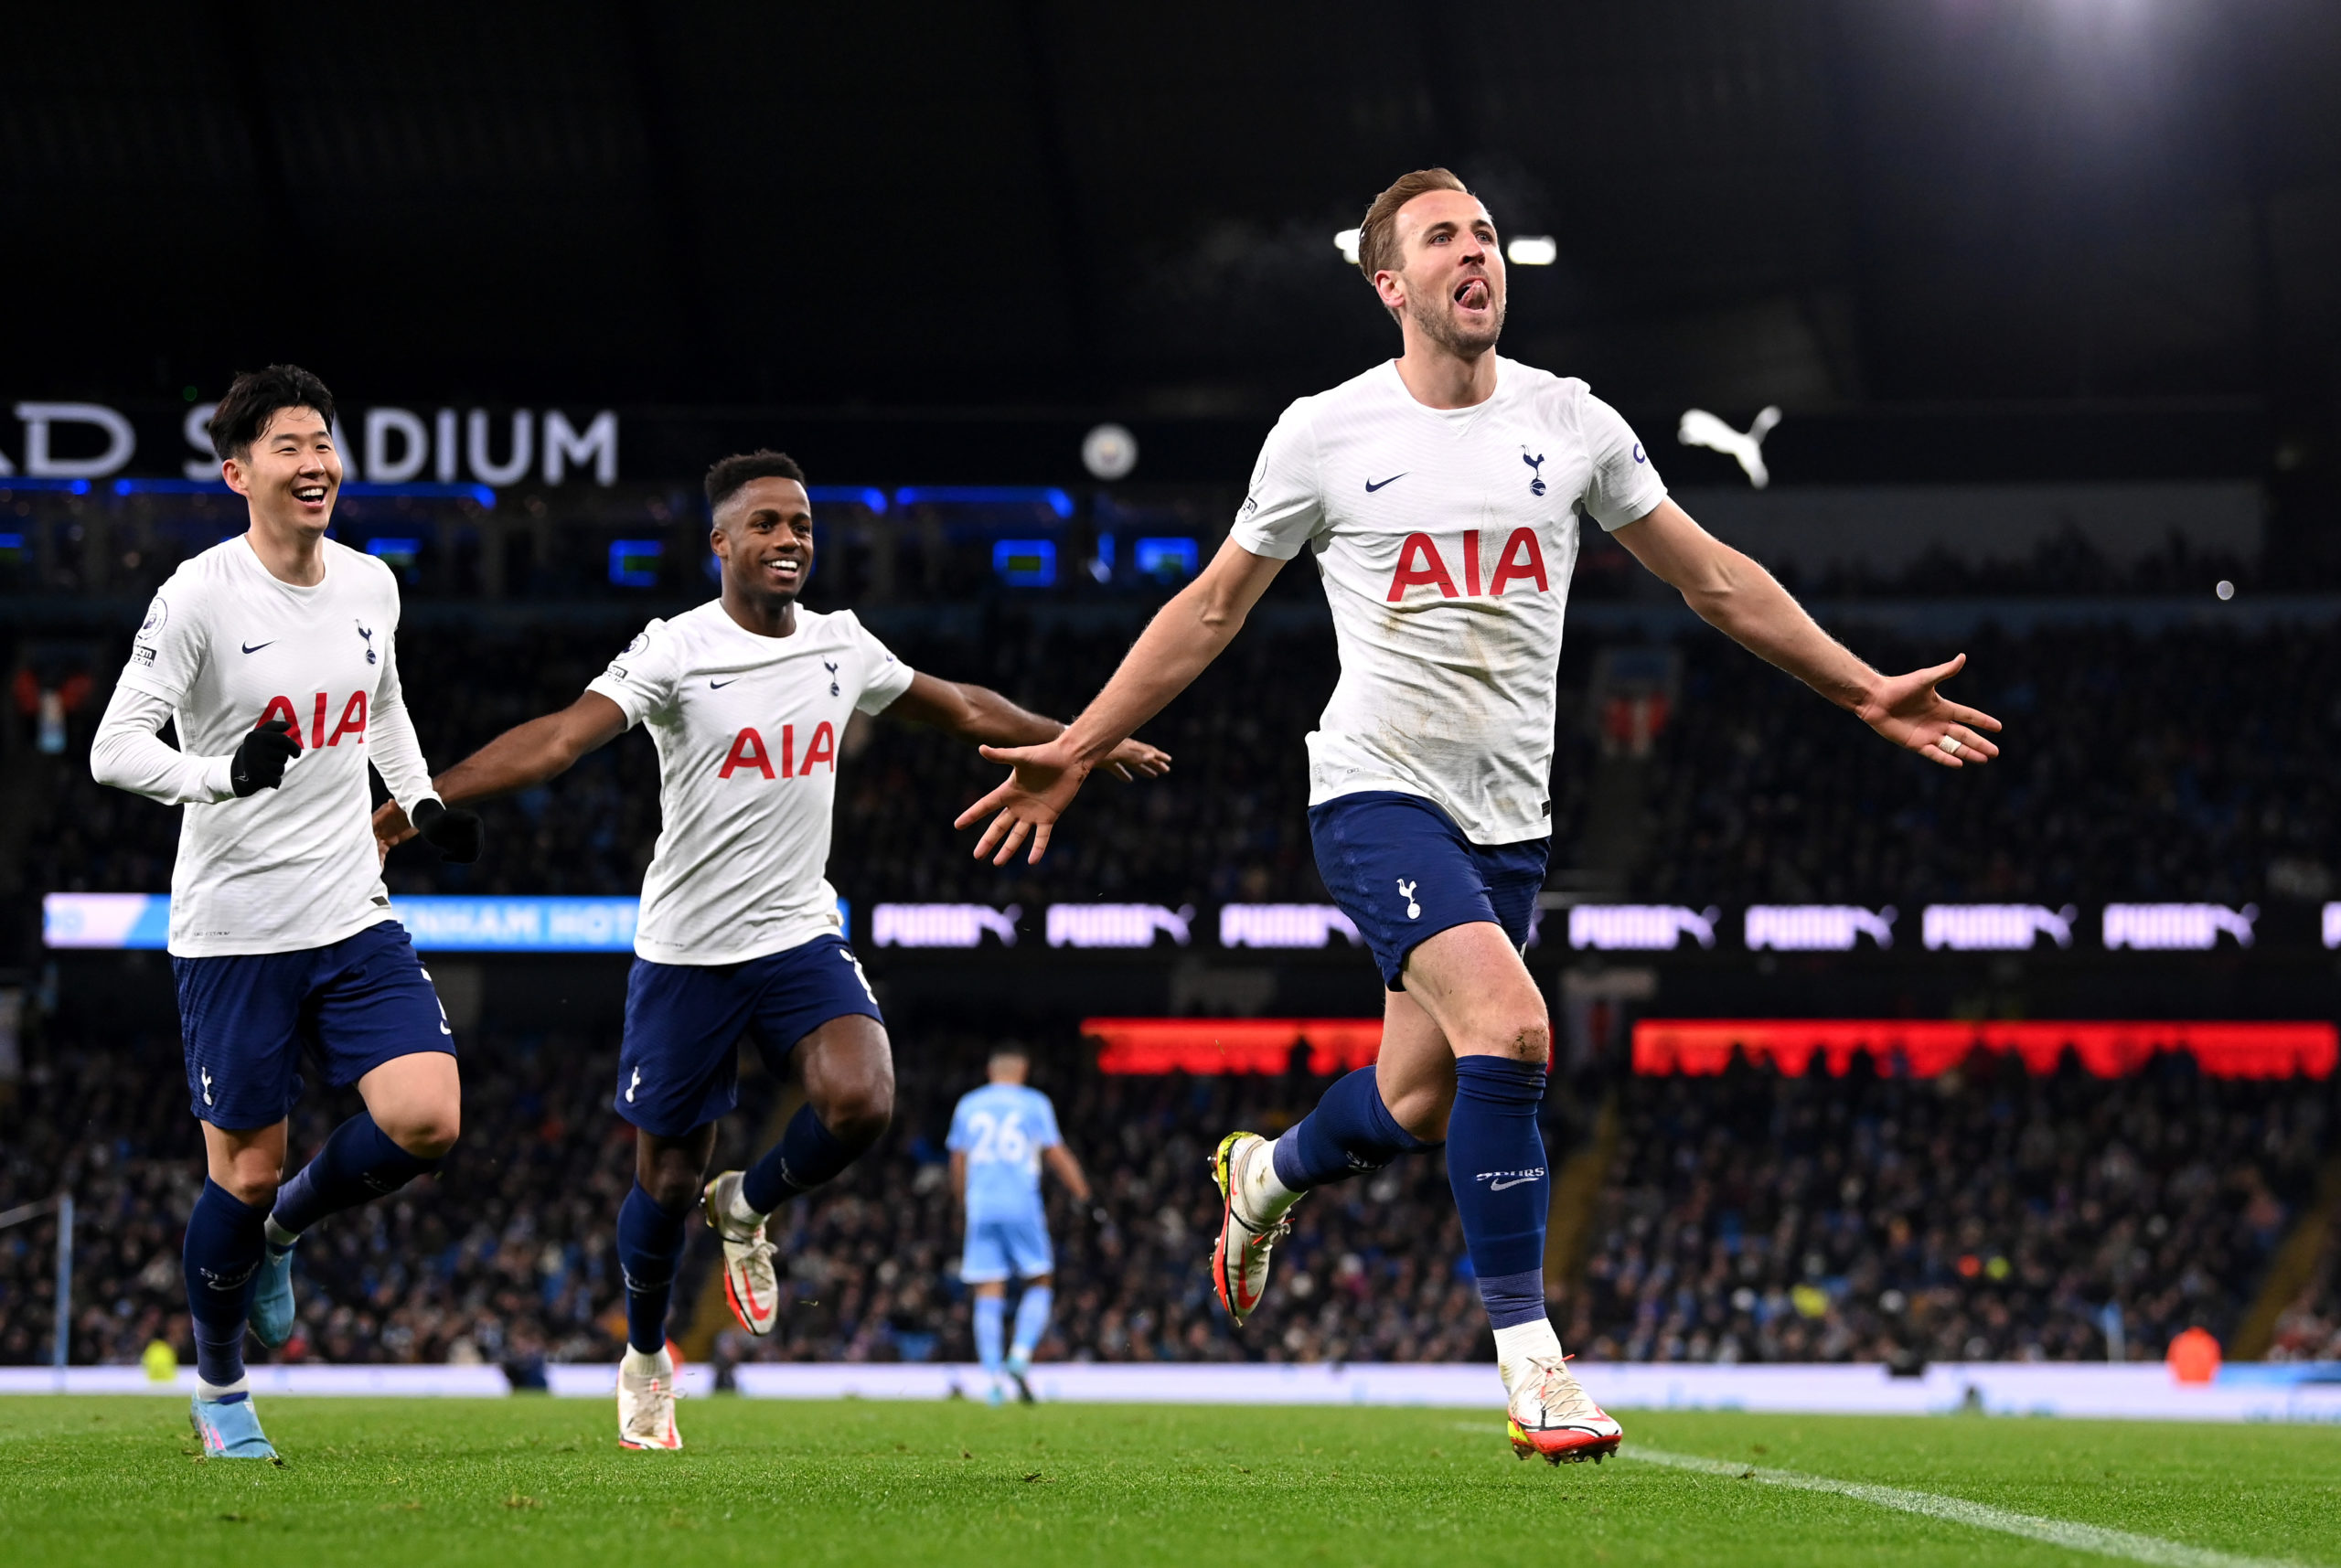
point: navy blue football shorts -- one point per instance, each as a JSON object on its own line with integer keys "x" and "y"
{"x": 246, "y": 1018}
{"x": 1401, "y": 870}
{"x": 680, "y": 1066}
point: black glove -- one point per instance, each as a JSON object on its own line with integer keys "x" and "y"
{"x": 260, "y": 759}
{"x": 454, "y": 834}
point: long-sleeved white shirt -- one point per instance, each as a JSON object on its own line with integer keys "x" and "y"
{"x": 225, "y": 647}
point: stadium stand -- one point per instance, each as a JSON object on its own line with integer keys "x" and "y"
{"x": 1982, "y": 1215}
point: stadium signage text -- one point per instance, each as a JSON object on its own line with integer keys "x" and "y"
{"x": 392, "y": 445}
{"x": 597, "y": 924}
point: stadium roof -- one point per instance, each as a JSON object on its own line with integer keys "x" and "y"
{"x": 1038, "y": 203}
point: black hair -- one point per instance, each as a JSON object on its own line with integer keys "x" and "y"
{"x": 733, "y": 474}
{"x": 254, "y": 398}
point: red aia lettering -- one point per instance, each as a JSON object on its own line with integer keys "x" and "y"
{"x": 353, "y": 721}
{"x": 281, "y": 708}
{"x": 1433, "y": 570}
{"x": 747, "y": 751}
{"x": 1522, "y": 544}
{"x": 821, "y": 748}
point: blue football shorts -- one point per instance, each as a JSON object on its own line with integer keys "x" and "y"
{"x": 1001, "y": 1245}
{"x": 246, "y": 1018}
{"x": 1401, "y": 870}
{"x": 679, "y": 1067}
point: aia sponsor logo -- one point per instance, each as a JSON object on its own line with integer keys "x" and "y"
{"x": 352, "y": 722}
{"x": 1421, "y": 563}
{"x": 750, "y": 754}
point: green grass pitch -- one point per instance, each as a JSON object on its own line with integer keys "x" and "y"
{"x": 523, "y": 1481}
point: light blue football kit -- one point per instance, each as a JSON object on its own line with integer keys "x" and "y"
{"x": 1002, "y": 1128}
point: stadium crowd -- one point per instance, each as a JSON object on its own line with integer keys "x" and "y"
{"x": 1982, "y": 1215}
{"x": 2137, "y": 767}
{"x": 505, "y": 1256}
{"x": 1750, "y": 1217}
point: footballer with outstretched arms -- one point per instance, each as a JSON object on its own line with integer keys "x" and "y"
{"x": 274, "y": 654}
{"x": 747, "y": 698}
{"x": 1441, "y": 495}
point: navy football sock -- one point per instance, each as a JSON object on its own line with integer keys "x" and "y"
{"x": 650, "y": 1244}
{"x": 1495, "y": 1163}
{"x": 808, "y": 1155}
{"x": 1351, "y": 1130}
{"x": 222, "y": 1253}
{"x": 358, "y": 1164}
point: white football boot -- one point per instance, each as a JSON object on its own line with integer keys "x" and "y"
{"x": 750, "y": 1281}
{"x": 1239, "y": 1260}
{"x": 1550, "y": 1413}
{"x": 647, "y": 1400}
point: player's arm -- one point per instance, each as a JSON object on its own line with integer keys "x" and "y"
{"x": 1177, "y": 645}
{"x": 958, "y": 1176}
{"x": 1059, "y": 1159}
{"x": 129, "y": 752}
{"x": 524, "y": 755}
{"x": 979, "y": 714}
{"x": 1737, "y": 597}
{"x": 397, "y": 757}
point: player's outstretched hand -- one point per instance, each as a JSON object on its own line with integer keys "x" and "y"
{"x": 390, "y": 829}
{"x": 453, "y": 831}
{"x": 1134, "y": 759}
{"x": 1045, "y": 779}
{"x": 1908, "y": 710}
{"x": 261, "y": 757}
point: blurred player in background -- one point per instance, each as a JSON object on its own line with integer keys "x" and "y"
{"x": 747, "y": 698}
{"x": 1441, "y": 495}
{"x": 274, "y": 655}
{"x": 1000, "y": 1134}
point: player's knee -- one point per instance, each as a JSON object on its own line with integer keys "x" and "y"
{"x": 426, "y": 1132}
{"x": 1520, "y": 1036}
{"x": 858, "y": 1109}
{"x": 254, "y": 1191}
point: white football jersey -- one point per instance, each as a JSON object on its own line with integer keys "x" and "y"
{"x": 225, "y": 647}
{"x": 747, "y": 729}
{"x": 1445, "y": 538}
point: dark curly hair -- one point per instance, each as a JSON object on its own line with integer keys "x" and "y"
{"x": 730, "y": 475}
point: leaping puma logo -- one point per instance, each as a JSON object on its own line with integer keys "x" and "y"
{"x": 1701, "y": 428}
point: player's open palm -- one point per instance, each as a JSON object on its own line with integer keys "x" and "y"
{"x": 1910, "y": 711}
{"x": 1045, "y": 779}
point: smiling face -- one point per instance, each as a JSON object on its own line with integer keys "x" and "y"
{"x": 764, "y": 535}
{"x": 1449, "y": 283}
{"x": 291, "y": 473}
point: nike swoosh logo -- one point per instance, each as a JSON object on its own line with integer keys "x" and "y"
{"x": 1373, "y": 484}
{"x": 1515, "y": 1181}
{"x": 720, "y": 684}
{"x": 255, "y": 647}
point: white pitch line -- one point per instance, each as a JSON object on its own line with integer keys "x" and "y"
{"x": 1958, "y": 1511}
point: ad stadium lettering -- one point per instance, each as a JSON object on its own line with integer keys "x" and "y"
{"x": 391, "y": 445}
